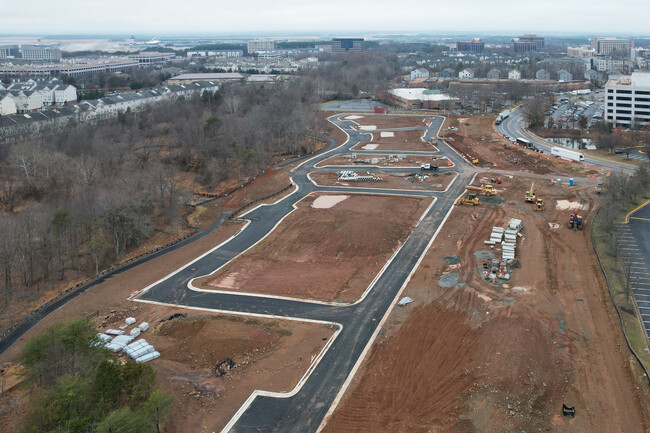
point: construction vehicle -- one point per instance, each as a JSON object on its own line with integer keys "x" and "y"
{"x": 530, "y": 194}
{"x": 600, "y": 188}
{"x": 575, "y": 220}
{"x": 473, "y": 159}
{"x": 483, "y": 189}
{"x": 471, "y": 199}
{"x": 428, "y": 167}
{"x": 539, "y": 204}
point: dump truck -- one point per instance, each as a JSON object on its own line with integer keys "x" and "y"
{"x": 428, "y": 167}
{"x": 483, "y": 189}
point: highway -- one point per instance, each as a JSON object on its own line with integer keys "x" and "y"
{"x": 304, "y": 409}
{"x": 512, "y": 128}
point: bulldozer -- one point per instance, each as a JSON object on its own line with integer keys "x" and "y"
{"x": 473, "y": 159}
{"x": 471, "y": 199}
{"x": 539, "y": 204}
{"x": 530, "y": 194}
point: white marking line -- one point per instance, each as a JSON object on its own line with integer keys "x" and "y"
{"x": 384, "y": 318}
{"x": 191, "y": 286}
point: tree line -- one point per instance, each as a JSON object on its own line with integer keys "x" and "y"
{"x": 76, "y": 200}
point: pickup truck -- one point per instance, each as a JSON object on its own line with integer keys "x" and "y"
{"x": 428, "y": 167}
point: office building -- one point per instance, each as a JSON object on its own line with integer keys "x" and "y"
{"x": 34, "y": 53}
{"x": 609, "y": 46}
{"x": 260, "y": 45}
{"x": 473, "y": 46}
{"x": 628, "y": 100}
{"x": 342, "y": 45}
{"x": 527, "y": 43}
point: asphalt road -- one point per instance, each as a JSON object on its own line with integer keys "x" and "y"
{"x": 305, "y": 410}
{"x": 512, "y": 127}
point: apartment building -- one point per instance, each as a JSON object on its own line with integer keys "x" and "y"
{"x": 628, "y": 100}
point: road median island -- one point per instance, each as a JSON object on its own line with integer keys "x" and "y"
{"x": 400, "y": 141}
{"x": 472, "y": 355}
{"x": 386, "y": 121}
{"x": 361, "y": 160}
{"x": 413, "y": 180}
{"x": 323, "y": 253}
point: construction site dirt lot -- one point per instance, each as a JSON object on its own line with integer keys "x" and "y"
{"x": 354, "y": 234}
{"x": 475, "y": 136}
{"x": 390, "y": 122}
{"x": 474, "y": 356}
{"x": 362, "y": 160}
{"x": 211, "y": 363}
{"x": 417, "y": 180}
{"x": 401, "y": 141}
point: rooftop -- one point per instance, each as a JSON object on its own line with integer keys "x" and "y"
{"x": 637, "y": 79}
{"x": 209, "y": 76}
{"x": 420, "y": 94}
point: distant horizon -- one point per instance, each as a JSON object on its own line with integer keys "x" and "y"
{"x": 334, "y": 17}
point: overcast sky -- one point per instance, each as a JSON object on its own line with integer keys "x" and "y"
{"x": 331, "y": 16}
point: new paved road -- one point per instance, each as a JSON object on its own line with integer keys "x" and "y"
{"x": 304, "y": 411}
{"x": 512, "y": 128}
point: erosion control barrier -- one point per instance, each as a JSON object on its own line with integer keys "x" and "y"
{"x": 609, "y": 290}
{"x": 70, "y": 292}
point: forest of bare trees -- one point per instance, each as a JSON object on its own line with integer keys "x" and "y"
{"x": 74, "y": 201}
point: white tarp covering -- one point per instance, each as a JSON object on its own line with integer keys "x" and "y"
{"x": 135, "y": 332}
{"x": 148, "y": 357}
{"x": 143, "y": 326}
{"x": 104, "y": 338}
{"x": 114, "y": 332}
{"x": 119, "y": 342}
{"x": 130, "y": 321}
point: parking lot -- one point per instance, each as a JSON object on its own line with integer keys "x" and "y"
{"x": 634, "y": 238}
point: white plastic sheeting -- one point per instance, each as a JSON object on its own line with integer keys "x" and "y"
{"x": 148, "y": 357}
{"x": 119, "y": 342}
{"x": 143, "y": 326}
{"x": 114, "y": 332}
{"x": 405, "y": 300}
{"x": 135, "y": 332}
{"x": 104, "y": 338}
{"x": 130, "y": 321}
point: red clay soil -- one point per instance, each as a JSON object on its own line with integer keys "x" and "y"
{"x": 476, "y": 137}
{"x": 416, "y": 180}
{"x": 402, "y": 141}
{"x": 297, "y": 258}
{"x": 389, "y": 122}
{"x": 475, "y": 356}
{"x": 270, "y": 355}
{"x": 363, "y": 160}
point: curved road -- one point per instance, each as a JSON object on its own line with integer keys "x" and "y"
{"x": 304, "y": 409}
{"x": 512, "y": 128}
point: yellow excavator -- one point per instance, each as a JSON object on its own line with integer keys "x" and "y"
{"x": 530, "y": 194}
{"x": 483, "y": 189}
{"x": 471, "y": 199}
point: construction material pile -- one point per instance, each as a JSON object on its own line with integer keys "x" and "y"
{"x": 507, "y": 238}
{"x": 139, "y": 351}
{"x": 352, "y": 176}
